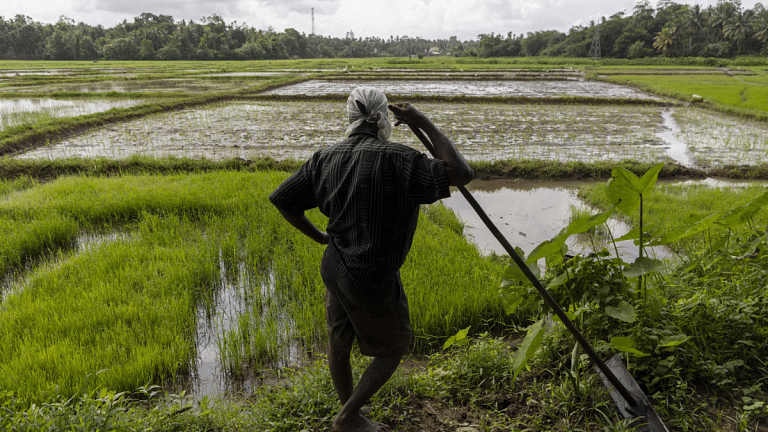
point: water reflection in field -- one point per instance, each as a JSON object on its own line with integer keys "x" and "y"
{"x": 285, "y": 130}
{"x": 529, "y": 213}
{"x": 16, "y": 112}
{"x": 484, "y": 88}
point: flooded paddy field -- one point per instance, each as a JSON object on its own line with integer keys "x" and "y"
{"x": 509, "y": 74}
{"x": 478, "y": 88}
{"x": 483, "y": 132}
{"x": 16, "y": 112}
{"x": 664, "y": 71}
{"x": 256, "y": 74}
{"x": 529, "y": 213}
{"x": 715, "y": 139}
{"x": 188, "y": 85}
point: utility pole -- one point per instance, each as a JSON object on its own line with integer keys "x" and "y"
{"x": 594, "y": 51}
{"x": 313, "y": 21}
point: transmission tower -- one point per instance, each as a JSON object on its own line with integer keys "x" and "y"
{"x": 313, "y": 21}
{"x": 594, "y": 51}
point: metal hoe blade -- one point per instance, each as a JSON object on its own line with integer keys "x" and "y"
{"x": 640, "y": 409}
{"x": 623, "y": 388}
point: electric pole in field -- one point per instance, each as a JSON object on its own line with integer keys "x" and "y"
{"x": 313, "y": 21}
{"x": 594, "y": 51}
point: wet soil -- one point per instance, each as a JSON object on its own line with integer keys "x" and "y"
{"x": 15, "y": 112}
{"x": 187, "y": 85}
{"x": 712, "y": 71}
{"x": 716, "y": 140}
{"x": 509, "y": 74}
{"x": 486, "y": 88}
{"x": 294, "y": 130}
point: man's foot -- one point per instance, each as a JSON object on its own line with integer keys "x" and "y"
{"x": 358, "y": 424}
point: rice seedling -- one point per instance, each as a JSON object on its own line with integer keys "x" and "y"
{"x": 30, "y": 111}
{"x": 270, "y": 129}
{"x": 122, "y": 312}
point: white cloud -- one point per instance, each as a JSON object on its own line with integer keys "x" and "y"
{"x": 431, "y": 19}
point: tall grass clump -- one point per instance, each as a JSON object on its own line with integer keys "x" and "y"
{"x": 691, "y": 330}
{"x": 118, "y": 316}
{"x": 121, "y": 312}
{"x": 690, "y": 203}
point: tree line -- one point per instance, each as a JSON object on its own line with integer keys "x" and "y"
{"x": 671, "y": 30}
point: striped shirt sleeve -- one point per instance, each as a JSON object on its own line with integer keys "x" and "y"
{"x": 425, "y": 179}
{"x": 296, "y": 194}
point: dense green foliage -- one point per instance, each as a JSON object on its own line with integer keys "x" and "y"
{"x": 688, "y": 327}
{"x": 672, "y": 29}
{"x": 136, "y": 255}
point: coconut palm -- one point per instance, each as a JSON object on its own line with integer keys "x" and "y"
{"x": 761, "y": 33}
{"x": 663, "y": 40}
{"x": 721, "y": 16}
{"x": 694, "y": 22}
{"x": 739, "y": 28}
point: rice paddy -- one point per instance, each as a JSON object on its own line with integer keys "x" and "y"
{"x": 485, "y": 88}
{"x": 186, "y": 242}
{"x": 194, "y": 280}
{"x": 171, "y": 85}
{"x": 484, "y": 132}
{"x": 17, "y": 112}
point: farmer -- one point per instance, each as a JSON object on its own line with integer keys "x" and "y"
{"x": 370, "y": 189}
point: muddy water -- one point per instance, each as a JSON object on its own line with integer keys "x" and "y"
{"x": 295, "y": 130}
{"x": 14, "y": 111}
{"x": 256, "y": 74}
{"x": 678, "y": 149}
{"x": 714, "y": 139}
{"x": 208, "y": 376}
{"x": 529, "y": 213}
{"x": 35, "y": 72}
{"x": 524, "y": 88}
{"x": 508, "y": 74}
{"x": 240, "y": 299}
{"x": 189, "y": 85}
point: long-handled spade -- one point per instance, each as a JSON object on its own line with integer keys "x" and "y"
{"x": 629, "y": 398}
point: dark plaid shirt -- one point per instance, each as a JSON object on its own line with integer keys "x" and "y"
{"x": 371, "y": 191}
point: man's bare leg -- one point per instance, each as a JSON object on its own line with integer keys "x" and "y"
{"x": 375, "y": 376}
{"x": 341, "y": 369}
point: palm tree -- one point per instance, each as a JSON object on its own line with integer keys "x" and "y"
{"x": 762, "y": 31}
{"x": 694, "y": 22}
{"x": 738, "y": 29}
{"x": 721, "y": 16}
{"x": 663, "y": 40}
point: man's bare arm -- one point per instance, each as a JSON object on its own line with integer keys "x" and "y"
{"x": 457, "y": 170}
{"x": 301, "y": 223}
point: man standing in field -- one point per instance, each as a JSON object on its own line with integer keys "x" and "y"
{"x": 371, "y": 190}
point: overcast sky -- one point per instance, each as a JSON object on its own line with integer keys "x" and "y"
{"x": 429, "y": 19}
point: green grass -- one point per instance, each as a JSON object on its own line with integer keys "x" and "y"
{"x": 740, "y": 95}
{"x": 118, "y": 316}
{"x": 689, "y": 203}
{"x": 120, "y": 313}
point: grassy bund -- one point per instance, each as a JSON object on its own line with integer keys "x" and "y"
{"x": 109, "y": 267}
